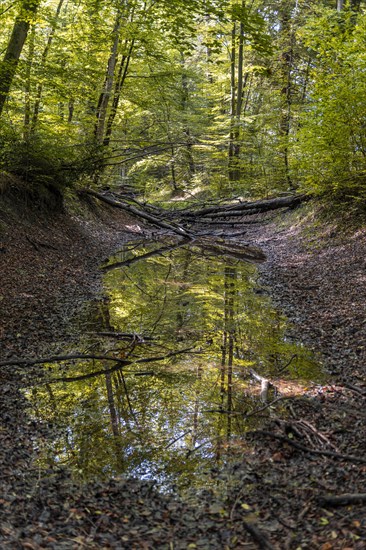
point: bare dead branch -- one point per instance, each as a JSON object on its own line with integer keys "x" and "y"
{"x": 158, "y": 252}
{"x": 58, "y": 358}
{"x": 330, "y": 454}
{"x": 342, "y": 500}
{"x": 124, "y": 335}
{"x": 260, "y": 538}
{"x": 119, "y": 366}
{"x": 139, "y": 213}
{"x": 265, "y": 385}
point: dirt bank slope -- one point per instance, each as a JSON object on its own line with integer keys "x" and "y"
{"x": 316, "y": 272}
{"x": 49, "y": 267}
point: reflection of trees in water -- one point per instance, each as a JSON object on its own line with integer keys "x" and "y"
{"x": 120, "y": 421}
{"x": 228, "y": 342}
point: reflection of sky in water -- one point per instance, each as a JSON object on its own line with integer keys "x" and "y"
{"x": 171, "y": 418}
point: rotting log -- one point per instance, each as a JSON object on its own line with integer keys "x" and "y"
{"x": 182, "y": 222}
{"x": 138, "y": 213}
{"x": 253, "y": 207}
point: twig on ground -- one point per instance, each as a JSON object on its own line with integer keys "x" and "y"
{"x": 256, "y": 411}
{"x": 282, "y": 369}
{"x": 342, "y": 500}
{"x": 354, "y": 389}
{"x": 330, "y": 454}
{"x": 259, "y": 537}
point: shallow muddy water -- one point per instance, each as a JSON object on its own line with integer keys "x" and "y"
{"x": 191, "y": 322}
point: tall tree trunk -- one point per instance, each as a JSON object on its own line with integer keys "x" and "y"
{"x": 232, "y": 102}
{"x": 71, "y": 106}
{"x": 105, "y": 95}
{"x": 185, "y": 109}
{"x": 340, "y": 4}
{"x": 237, "y": 95}
{"x": 17, "y": 39}
{"x": 286, "y": 89}
{"x": 172, "y": 169}
{"x": 46, "y": 50}
{"x": 122, "y": 74}
{"x": 239, "y": 99}
{"x": 27, "y": 86}
{"x": 223, "y": 357}
{"x": 112, "y": 407}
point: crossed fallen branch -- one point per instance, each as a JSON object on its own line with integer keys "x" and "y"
{"x": 119, "y": 363}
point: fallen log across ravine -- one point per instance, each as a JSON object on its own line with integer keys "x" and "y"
{"x": 248, "y": 208}
{"x": 136, "y": 212}
{"x": 182, "y": 221}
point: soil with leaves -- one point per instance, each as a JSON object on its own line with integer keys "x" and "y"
{"x": 279, "y": 487}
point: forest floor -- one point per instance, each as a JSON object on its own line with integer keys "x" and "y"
{"x": 276, "y": 495}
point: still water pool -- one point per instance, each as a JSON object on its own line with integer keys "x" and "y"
{"x": 192, "y": 322}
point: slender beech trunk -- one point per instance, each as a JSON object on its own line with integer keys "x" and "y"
{"x": 286, "y": 89}
{"x": 240, "y": 91}
{"x": 27, "y": 86}
{"x": 122, "y": 74}
{"x": 223, "y": 359}
{"x": 238, "y": 83}
{"x": 232, "y": 102}
{"x": 45, "y": 53}
{"x": 306, "y": 80}
{"x": 230, "y": 276}
{"x": 8, "y": 66}
{"x": 105, "y": 95}
{"x": 70, "y": 107}
{"x": 172, "y": 169}
{"x": 196, "y": 410}
{"x": 187, "y": 131}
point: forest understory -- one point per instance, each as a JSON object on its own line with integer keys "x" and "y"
{"x": 299, "y": 483}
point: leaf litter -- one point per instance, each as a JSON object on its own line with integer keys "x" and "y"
{"x": 270, "y": 493}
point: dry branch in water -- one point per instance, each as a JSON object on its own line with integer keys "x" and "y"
{"x": 265, "y": 385}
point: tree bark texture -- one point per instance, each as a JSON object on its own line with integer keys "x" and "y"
{"x": 46, "y": 50}
{"x": 17, "y": 40}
